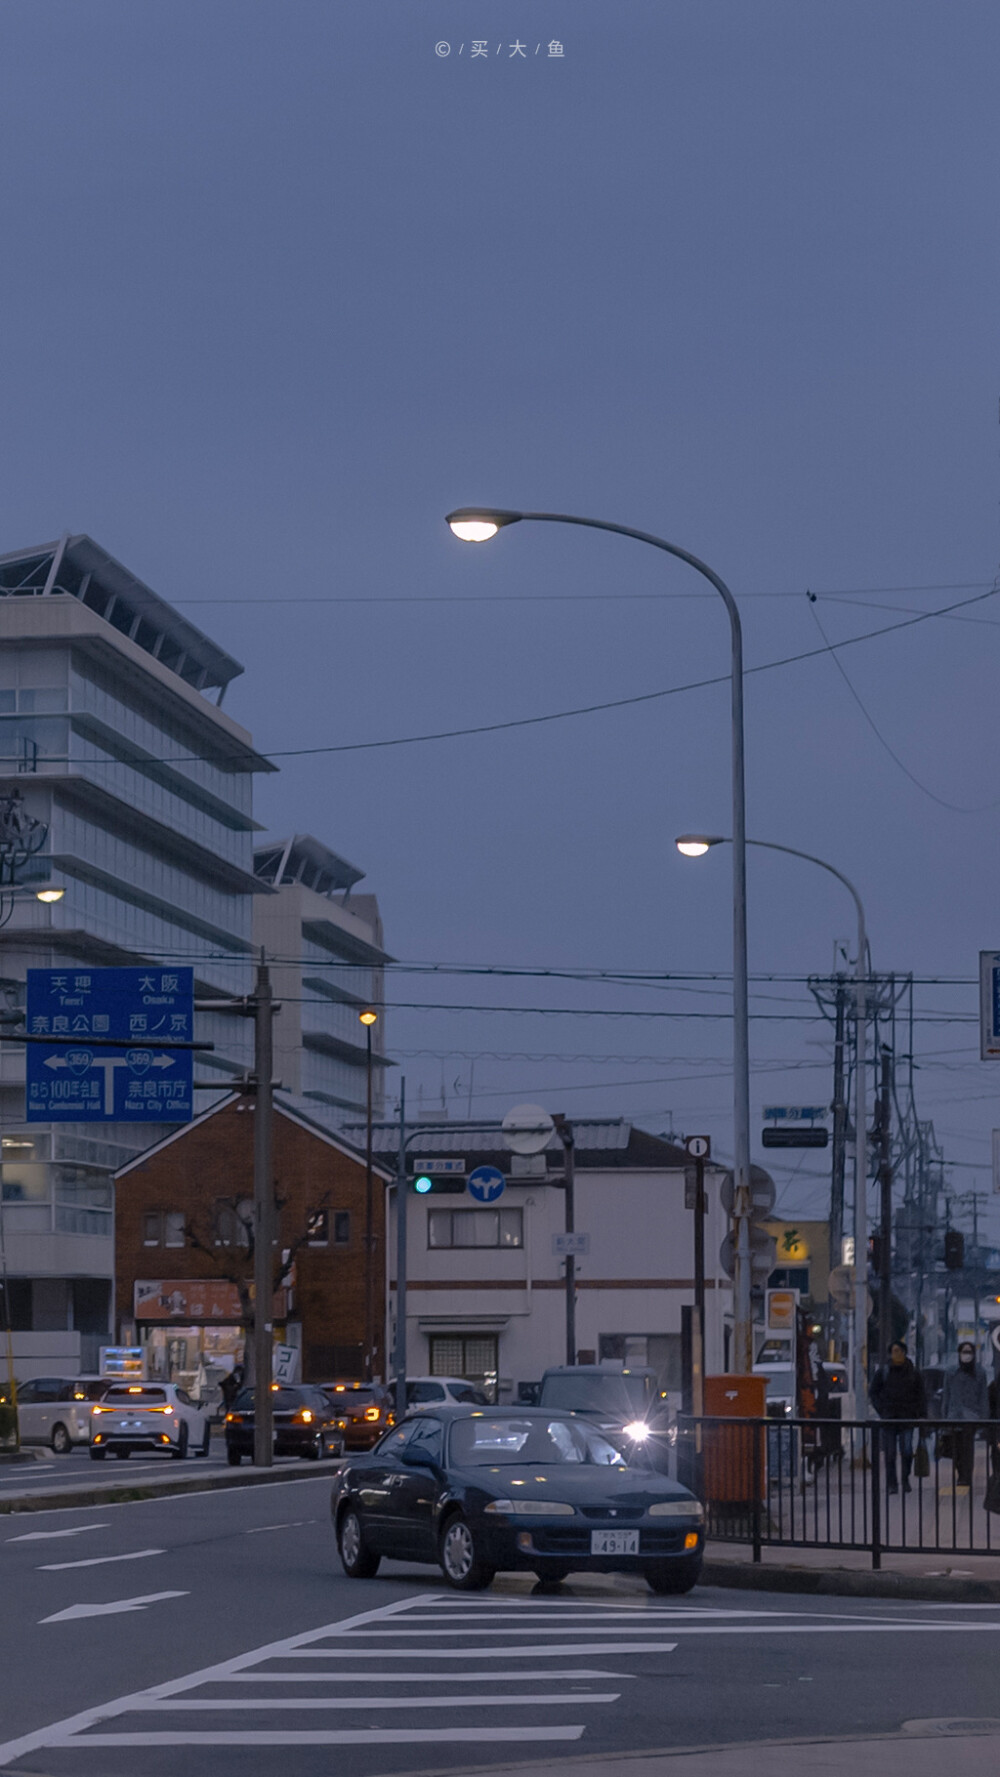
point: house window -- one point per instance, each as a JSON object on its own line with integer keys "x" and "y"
{"x": 318, "y": 1227}
{"x": 341, "y": 1227}
{"x": 173, "y": 1227}
{"x": 790, "y": 1277}
{"x": 151, "y": 1228}
{"x": 475, "y": 1227}
{"x": 233, "y": 1222}
{"x": 472, "y": 1355}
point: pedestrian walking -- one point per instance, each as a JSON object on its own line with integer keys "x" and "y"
{"x": 966, "y": 1396}
{"x": 898, "y": 1397}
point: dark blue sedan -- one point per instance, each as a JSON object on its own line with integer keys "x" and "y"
{"x": 480, "y": 1490}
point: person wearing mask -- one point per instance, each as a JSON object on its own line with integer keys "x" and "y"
{"x": 897, "y": 1395}
{"x": 966, "y": 1396}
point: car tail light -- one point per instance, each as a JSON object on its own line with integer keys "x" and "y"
{"x": 100, "y": 1410}
{"x": 373, "y": 1412}
{"x": 234, "y": 1419}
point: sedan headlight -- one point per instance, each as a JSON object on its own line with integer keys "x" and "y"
{"x": 677, "y": 1508}
{"x": 531, "y": 1508}
{"x": 637, "y": 1430}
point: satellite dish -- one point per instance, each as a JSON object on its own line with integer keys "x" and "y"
{"x": 527, "y": 1129}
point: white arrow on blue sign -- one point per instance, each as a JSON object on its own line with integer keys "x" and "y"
{"x": 486, "y": 1184}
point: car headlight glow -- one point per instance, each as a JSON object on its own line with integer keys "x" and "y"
{"x": 677, "y": 1508}
{"x": 531, "y": 1508}
{"x": 637, "y": 1430}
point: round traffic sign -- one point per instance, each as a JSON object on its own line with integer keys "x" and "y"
{"x": 762, "y": 1192}
{"x": 486, "y": 1184}
{"x": 995, "y": 1336}
{"x": 527, "y": 1129}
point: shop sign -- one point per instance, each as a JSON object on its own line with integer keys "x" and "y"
{"x": 189, "y": 1300}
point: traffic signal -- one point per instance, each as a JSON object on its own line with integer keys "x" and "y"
{"x": 439, "y": 1184}
{"x": 954, "y": 1250}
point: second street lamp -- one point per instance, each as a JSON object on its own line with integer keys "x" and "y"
{"x": 477, "y": 524}
{"x": 695, "y": 845}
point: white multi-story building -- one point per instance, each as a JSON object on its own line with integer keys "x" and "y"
{"x": 486, "y": 1291}
{"x": 324, "y": 944}
{"x": 108, "y": 730}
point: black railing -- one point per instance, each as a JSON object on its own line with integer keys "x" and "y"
{"x": 873, "y": 1485}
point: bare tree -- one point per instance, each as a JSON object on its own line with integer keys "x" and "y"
{"x": 229, "y": 1249}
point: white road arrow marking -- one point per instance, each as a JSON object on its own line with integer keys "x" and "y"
{"x": 98, "y": 1560}
{"x": 37, "y": 1536}
{"x": 108, "y": 1610}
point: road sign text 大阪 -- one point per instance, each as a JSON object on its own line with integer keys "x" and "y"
{"x": 73, "y": 1080}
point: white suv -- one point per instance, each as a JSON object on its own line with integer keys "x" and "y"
{"x": 55, "y": 1410}
{"x": 148, "y": 1416}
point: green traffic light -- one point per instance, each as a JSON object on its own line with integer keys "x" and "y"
{"x": 423, "y": 1185}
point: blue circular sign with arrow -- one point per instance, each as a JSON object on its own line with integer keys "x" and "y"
{"x": 486, "y": 1184}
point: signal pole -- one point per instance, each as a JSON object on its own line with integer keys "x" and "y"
{"x": 263, "y": 1218}
{"x": 885, "y": 1187}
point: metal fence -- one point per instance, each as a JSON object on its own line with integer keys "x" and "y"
{"x": 873, "y": 1485}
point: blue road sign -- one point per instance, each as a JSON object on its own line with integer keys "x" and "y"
{"x": 486, "y": 1184}
{"x": 73, "y": 1080}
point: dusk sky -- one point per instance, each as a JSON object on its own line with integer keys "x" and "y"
{"x": 283, "y": 285}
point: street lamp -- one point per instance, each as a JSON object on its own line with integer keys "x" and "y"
{"x": 369, "y": 1019}
{"x": 695, "y": 845}
{"x": 477, "y": 524}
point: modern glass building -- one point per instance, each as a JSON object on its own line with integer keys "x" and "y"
{"x": 326, "y": 949}
{"x": 112, "y": 732}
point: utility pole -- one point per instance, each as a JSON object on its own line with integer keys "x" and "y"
{"x": 698, "y": 1342}
{"x": 564, "y": 1130}
{"x": 839, "y": 1108}
{"x": 885, "y": 1187}
{"x": 263, "y": 1219}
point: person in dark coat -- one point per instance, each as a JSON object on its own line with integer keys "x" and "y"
{"x": 898, "y": 1397}
{"x": 966, "y": 1396}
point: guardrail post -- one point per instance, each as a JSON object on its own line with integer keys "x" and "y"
{"x": 872, "y": 1439}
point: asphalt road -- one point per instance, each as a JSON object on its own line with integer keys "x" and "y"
{"x": 57, "y": 1474}
{"x": 230, "y": 1616}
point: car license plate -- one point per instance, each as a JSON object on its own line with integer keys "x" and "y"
{"x": 614, "y": 1542}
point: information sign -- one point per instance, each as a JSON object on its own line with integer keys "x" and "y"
{"x": 81, "y": 1076}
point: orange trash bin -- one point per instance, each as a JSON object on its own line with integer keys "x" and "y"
{"x": 728, "y": 1451}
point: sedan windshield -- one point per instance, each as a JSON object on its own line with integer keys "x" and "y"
{"x": 503, "y": 1438}
{"x": 614, "y": 1396}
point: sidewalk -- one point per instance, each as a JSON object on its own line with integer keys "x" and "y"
{"x": 939, "y": 1578}
{"x": 919, "y": 1751}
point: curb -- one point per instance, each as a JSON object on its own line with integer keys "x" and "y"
{"x": 843, "y": 1582}
{"x": 111, "y": 1494}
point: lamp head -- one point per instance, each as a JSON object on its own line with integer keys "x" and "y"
{"x": 51, "y": 892}
{"x": 477, "y": 524}
{"x": 369, "y": 1017}
{"x": 695, "y": 845}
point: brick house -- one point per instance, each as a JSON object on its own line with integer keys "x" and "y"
{"x": 172, "y": 1294}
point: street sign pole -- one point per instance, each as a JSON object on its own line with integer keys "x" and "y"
{"x": 698, "y": 1146}
{"x": 401, "y": 1196}
{"x": 263, "y": 1219}
{"x": 564, "y": 1131}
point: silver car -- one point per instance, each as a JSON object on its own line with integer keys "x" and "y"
{"x": 148, "y": 1416}
{"x": 55, "y": 1410}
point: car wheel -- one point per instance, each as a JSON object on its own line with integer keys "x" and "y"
{"x": 672, "y": 1576}
{"x": 61, "y": 1441}
{"x": 206, "y": 1442}
{"x": 233, "y": 1456}
{"x": 98, "y": 1455}
{"x": 461, "y": 1562}
{"x": 356, "y": 1558}
{"x": 182, "y": 1444}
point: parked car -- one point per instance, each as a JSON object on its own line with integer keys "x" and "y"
{"x": 55, "y": 1410}
{"x": 619, "y": 1401}
{"x": 513, "y": 1488}
{"x": 305, "y": 1424}
{"x": 148, "y": 1416}
{"x": 423, "y": 1392}
{"x": 364, "y": 1411}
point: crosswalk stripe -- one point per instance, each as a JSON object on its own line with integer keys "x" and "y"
{"x": 256, "y": 1677}
{"x": 327, "y": 1737}
{"x": 557, "y": 1698}
{"x": 485, "y": 1653}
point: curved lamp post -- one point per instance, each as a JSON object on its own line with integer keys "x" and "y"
{"x": 695, "y": 845}
{"x": 477, "y": 524}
